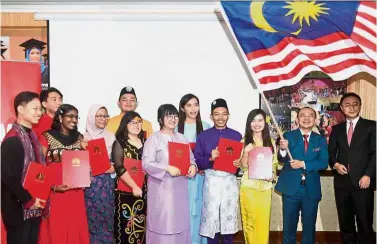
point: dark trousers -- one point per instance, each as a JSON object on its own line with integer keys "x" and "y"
{"x": 25, "y": 233}
{"x": 350, "y": 203}
{"x": 227, "y": 239}
{"x": 292, "y": 205}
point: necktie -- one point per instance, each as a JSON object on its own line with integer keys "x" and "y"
{"x": 350, "y": 132}
{"x": 306, "y": 143}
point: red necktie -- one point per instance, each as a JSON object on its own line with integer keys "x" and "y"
{"x": 350, "y": 133}
{"x": 306, "y": 143}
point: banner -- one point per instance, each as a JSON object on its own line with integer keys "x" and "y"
{"x": 16, "y": 76}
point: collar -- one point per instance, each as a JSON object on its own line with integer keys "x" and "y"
{"x": 354, "y": 121}
{"x": 302, "y": 133}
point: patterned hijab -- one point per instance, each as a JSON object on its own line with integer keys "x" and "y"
{"x": 93, "y": 132}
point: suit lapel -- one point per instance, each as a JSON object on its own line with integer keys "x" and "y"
{"x": 357, "y": 132}
{"x": 312, "y": 142}
{"x": 343, "y": 134}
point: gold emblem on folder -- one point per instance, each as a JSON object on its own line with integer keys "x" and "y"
{"x": 179, "y": 152}
{"x": 40, "y": 177}
{"x": 229, "y": 150}
{"x": 133, "y": 169}
{"x": 76, "y": 162}
{"x": 97, "y": 151}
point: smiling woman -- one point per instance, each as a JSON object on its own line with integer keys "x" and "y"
{"x": 68, "y": 222}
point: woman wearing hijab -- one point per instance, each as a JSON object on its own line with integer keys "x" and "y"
{"x": 99, "y": 197}
{"x": 67, "y": 222}
{"x": 130, "y": 206}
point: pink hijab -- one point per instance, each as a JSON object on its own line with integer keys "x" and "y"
{"x": 93, "y": 132}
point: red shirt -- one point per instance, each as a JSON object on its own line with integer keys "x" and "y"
{"x": 44, "y": 124}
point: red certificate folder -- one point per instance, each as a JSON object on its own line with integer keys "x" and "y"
{"x": 135, "y": 170}
{"x": 38, "y": 180}
{"x": 76, "y": 168}
{"x": 98, "y": 156}
{"x": 179, "y": 156}
{"x": 229, "y": 151}
{"x": 260, "y": 163}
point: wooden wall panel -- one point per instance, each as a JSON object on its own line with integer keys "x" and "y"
{"x": 364, "y": 85}
{"x": 20, "y": 20}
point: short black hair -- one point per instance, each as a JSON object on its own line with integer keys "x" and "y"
{"x": 24, "y": 98}
{"x": 44, "y": 94}
{"x": 350, "y": 94}
{"x": 315, "y": 112}
{"x": 165, "y": 109}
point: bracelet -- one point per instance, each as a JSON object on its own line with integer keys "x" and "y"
{"x": 54, "y": 188}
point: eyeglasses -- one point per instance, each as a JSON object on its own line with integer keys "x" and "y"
{"x": 171, "y": 117}
{"x": 134, "y": 123}
{"x": 102, "y": 116}
{"x": 71, "y": 116}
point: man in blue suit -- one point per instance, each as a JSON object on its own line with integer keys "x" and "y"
{"x": 299, "y": 180}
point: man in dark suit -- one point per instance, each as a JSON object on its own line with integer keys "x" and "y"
{"x": 299, "y": 180}
{"x": 352, "y": 149}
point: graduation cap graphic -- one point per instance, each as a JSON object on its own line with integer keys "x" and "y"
{"x": 3, "y": 48}
{"x": 32, "y": 43}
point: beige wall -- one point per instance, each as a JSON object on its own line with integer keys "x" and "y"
{"x": 21, "y": 27}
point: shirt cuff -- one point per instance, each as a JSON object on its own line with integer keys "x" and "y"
{"x": 283, "y": 153}
{"x": 30, "y": 203}
{"x": 304, "y": 165}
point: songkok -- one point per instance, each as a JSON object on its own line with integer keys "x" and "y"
{"x": 127, "y": 90}
{"x": 218, "y": 103}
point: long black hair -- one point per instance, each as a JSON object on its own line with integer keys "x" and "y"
{"x": 57, "y": 125}
{"x": 265, "y": 133}
{"x": 182, "y": 114}
{"x": 122, "y": 133}
{"x": 163, "y": 110}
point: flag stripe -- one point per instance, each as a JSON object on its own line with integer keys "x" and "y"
{"x": 328, "y": 70}
{"x": 367, "y": 10}
{"x": 369, "y": 4}
{"x": 329, "y": 43}
{"x": 365, "y": 34}
{"x": 363, "y": 41}
{"x": 364, "y": 26}
{"x": 321, "y": 58}
{"x": 368, "y": 17}
{"x": 340, "y": 75}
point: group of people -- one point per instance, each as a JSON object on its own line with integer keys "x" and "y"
{"x": 170, "y": 208}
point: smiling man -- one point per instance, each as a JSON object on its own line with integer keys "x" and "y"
{"x": 21, "y": 212}
{"x": 299, "y": 180}
{"x": 221, "y": 191}
{"x": 51, "y": 99}
{"x": 128, "y": 102}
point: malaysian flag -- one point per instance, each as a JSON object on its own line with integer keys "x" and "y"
{"x": 283, "y": 41}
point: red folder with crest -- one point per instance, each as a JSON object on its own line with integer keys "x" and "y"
{"x": 38, "y": 180}
{"x": 98, "y": 156}
{"x": 229, "y": 151}
{"x": 134, "y": 169}
{"x": 179, "y": 156}
{"x": 76, "y": 168}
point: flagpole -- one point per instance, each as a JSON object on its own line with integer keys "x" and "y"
{"x": 238, "y": 49}
{"x": 273, "y": 119}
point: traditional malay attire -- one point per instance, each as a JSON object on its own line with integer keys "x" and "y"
{"x": 195, "y": 186}
{"x": 168, "y": 218}
{"x": 221, "y": 191}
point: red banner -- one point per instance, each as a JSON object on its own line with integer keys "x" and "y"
{"x": 16, "y": 76}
